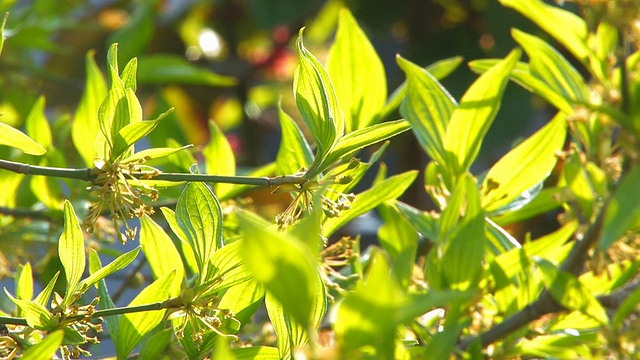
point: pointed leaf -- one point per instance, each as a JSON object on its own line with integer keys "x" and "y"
{"x": 567, "y": 28}
{"x": 37, "y": 315}
{"x": 478, "y": 108}
{"x": 219, "y": 157}
{"x": 427, "y": 106}
{"x": 44, "y": 296}
{"x": 85, "y": 122}
{"x": 286, "y": 268}
{"x": 547, "y": 64}
{"x": 37, "y": 126}
{"x": 357, "y": 73}
{"x": 129, "y": 74}
{"x": 294, "y": 152}
{"x": 226, "y": 268}
{"x": 118, "y": 264}
{"x": 24, "y": 282}
{"x": 623, "y": 210}
{"x": 385, "y": 190}
{"x": 243, "y": 299}
{"x": 199, "y": 216}
{"x": 289, "y": 333}
{"x": 71, "y": 250}
{"x": 400, "y": 239}
{"x": 161, "y": 253}
{"x": 133, "y": 132}
{"x": 525, "y": 166}
{"x": 184, "y": 246}
{"x": 134, "y": 326}
{"x": 15, "y": 138}
{"x": 316, "y": 101}
{"x": 152, "y": 154}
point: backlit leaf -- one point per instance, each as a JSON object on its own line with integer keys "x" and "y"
{"x": 13, "y": 137}
{"x": 37, "y": 126}
{"x": 294, "y": 152}
{"x": 71, "y": 250}
{"x": 161, "y": 253}
{"x": 45, "y": 349}
{"x": 118, "y": 264}
{"x": 153, "y": 153}
{"x": 133, "y": 132}
{"x": 167, "y": 69}
{"x": 623, "y": 210}
{"x": 218, "y": 156}
{"x": 37, "y": 315}
{"x": 357, "y": 73}
{"x": 478, "y": 107}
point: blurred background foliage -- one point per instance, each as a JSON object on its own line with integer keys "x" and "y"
{"x": 232, "y": 61}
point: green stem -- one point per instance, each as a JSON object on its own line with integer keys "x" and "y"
{"x": 86, "y": 175}
{"x": 167, "y": 304}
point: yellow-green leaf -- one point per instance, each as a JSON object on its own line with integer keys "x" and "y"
{"x": 45, "y": 349}
{"x": 37, "y": 125}
{"x": 71, "y": 250}
{"x": 219, "y": 157}
{"x": 623, "y": 210}
{"x": 161, "y": 253}
{"x": 166, "y": 69}
{"x": 294, "y": 152}
{"x": 13, "y": 137}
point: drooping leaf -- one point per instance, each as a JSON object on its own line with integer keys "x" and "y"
{"x": 166, "y": 69}
{"x": 385, "y": 190}
{"x": 478, "y": 107}
{"x": 547, "y": 64}
{"x": 45, "y": 349}
{"x": 567, "y": 28}
{"x": 317, "y": 102}
{"x": 427, "y": 106}
{"x": 85, "y": 122}
{"x": 134, "y": 326}
{"x": 357, "y": 74}
{"x": 623, "y": 210}
{"x": 71, "y": 250}
{"x": 524, "y": 166}
{"x": 294, "y": 152}
{"x": 161, "y": 253}
{"x": 286, "y": 268}
{"x": 199, "y": 216}
{"x": 13, "y": 137}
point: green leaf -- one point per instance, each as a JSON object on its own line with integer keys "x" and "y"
{"x": 219, "y": 157}
{"x": 294, "y": 152}
{"x": 575, "y": 178}
{"x": 623, "y": 210}
{"x": 286, "y": 268}
{"x": 546, "y": 200}
{"x": 153, "y": 153}
{"x": 571, "y": 293}
{"x": 347, "y": 145}
{"x": 134, "y": 326}
{"x": 152, "y": 347}
{"x": 547, "y": 64}
{"x": 226, "y": 268}
{"x": 129, "y": 75}
{"x": 37, "y": 126}
{"x": 85, "y": 121}
{"x": 71, "y": 251}
{"x": 24, "y": 282}
{"x": 523, "y": 167}
{"x": 357, "y": 73}
{"x": 567, "y": 28}
{"x": 113, "y": 115}
{"x": 256, "y": 353}
{"x": 522, "y": 76}
{"x": 45, "y": 294}
{"x": 112, "y": 322}
{"x": 4, "y": 23}
{"x": 161, "y": 253}
{"x": 133, "y": 132}
{"x": 15, "y": 138}
{"x": 118, "y": 264}
{"x": 243, "y": 299}
{"x": 385, "y": 190}
{"x": 290, "y": 333}
{"x": 37, "y": 315}
{"x": 478, "y": 107}
{"x": 424, "y": 222}
{"x": 463, "y": 244}
{"x": 439, "y": 70}
{"x": 183, "y": 245}
{"x": 199, "y": 216}
{"x": 427, "y": 106}
{"x": 45, "y": 349}
{"x": 627, "y": 307}
{"x": 317, "y": 102}
{"x": 400, "y": 239}
{"x": 167, "y": 69}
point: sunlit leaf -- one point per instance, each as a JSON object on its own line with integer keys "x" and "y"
{"x": 524, "y": 166}
{"x": 317, "y": 102}
{"x": 218, "y": 156}
{"x": 289, "y": 332}
{"x": 37, "y": 126}
{"x": 129, "y": 75}
{"x": 152, "y": 347}
{"x": 199, "y": 216}
{"x": 427, "y": 106}
{"x": 623, "y": 210}
{"x": 357, "y": 74}
{"x": 134, "y": 326}
{"x": 226, "y": 268}
{"x": 400, "y": 239}
{"x": 45, "y": 349}
{"x": 161, "y": 253}
{"x": 546, "y": 200}
{"x": 478, "y": 107}
{"x": 85, "y": 121}
{"x": 167, "y": 69}
{"x": 286, "y": 268}
{"x": 71, "y": 250}
{"x": 256, "y": 353}
{"x": 37, "y": 315}
{"x": 243, "y": 299}
{"x": 184, "y": 245}
{"x": 24, "y": 282}
{"x": 385, "y": 190}
{"x": 118, "y": 264}
{"x": 44, "y": 295}
{"x": 628, "y": 306}
{"x": 294, "y": 152}
{"x": 567, "y": 28}
{"x": 153, "y": 153}
{"x": 13, "y": 137}
{"x": 425, "y": 223}
{"x": 133, "y": 132}
{"x": 547, "y": 64}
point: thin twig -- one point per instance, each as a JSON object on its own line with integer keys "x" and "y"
{"x": 87, "y": 175}
{"x": 28, "y": 213}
